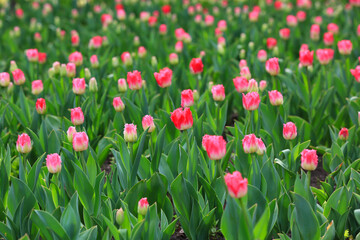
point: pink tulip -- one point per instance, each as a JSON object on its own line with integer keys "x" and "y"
{"x": 215, "y": 146}
{"x": 148, "y": 123}
{"x": 79, "y": 86}
{"x": 251, "y": 101}
{"x": 143, "y": 206}
{"x": 53, "y": 163}
{"x": 40, "y": 106}
{"x": 309, "y": 160}
{"x": 276, "y": 98}
{"x": 130, "y": 134}
{"x": 237, "y": 186}
{"x": 23, "y": 143}
{"x": 182, "y": 119}
{"x": 187, "y": 98}
{"x": 344, "y": 134}
{"x": 80, "y": 141}
{"x": 118, "y": 104}
{"x": 77, "y": 116}
{"x": 163, "y": 77}
{"x": 241, "y": 84}
{"x": 37, "y": 87}
{"x": 289, "y": 131}
{"x": 218, "y": 92}
{"x": 249, "y": 143}
{"x": 272, "y": 66}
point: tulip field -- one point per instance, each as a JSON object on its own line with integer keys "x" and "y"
{"x": 179, "y": 119}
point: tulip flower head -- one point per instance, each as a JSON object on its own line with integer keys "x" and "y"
{"x": 218, "y": 92}
{"x": 272, "y": 66}
{"x": 187, "y": 98}
{"x": 4, "y": 79}
{"x": 118, "y": 104}
{"x": 19, "y": 77}
{"x": 40, "y": 106}
{"x": 289, "y": 131}
{"x": 53, "y": 163}
{"x": 309, "y": 160}
{"x": 130, "y": 134}
{"x": 196, "y": 66}
{"x": 134, "y": 80}
{"x": 163, "y": 77}
{"x": 148, "y": 123}
{"x": 250, "y": 143}
{"x": 70, "y": 133}
{"x": 215, "y": 146}
{"x": 344, "y": 134}
{"x": 77, "y": 116}
{"x": 236, "y": 184}
{"x": 276, "y": 98}
{"x": 23, "y": 143}
{"x": 356, "y": 73}
{"x": 143, "y": 206}
{"x": 251, "y": 101}
{"x": 80, "y": 141}
{"x": 182, "y": 118}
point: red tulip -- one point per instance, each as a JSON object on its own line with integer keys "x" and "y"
{"x": 309, "y": 160}
{"x": 118, "y": 104}
{"x": 163, "y": 77}
{"x": 272, "y": 66}
{"x": 344, "y": 134}
{"x": 196, "y": 66}
{"x": 40, "y": 106}
{"x": 324, "y": 55}
{"x": 251, "y": 101}
{"x": 148, "y": 123}
{"x": 356, "y": 73}
{"x": 19, "y": 77}
{"x": 218, "y": 92}
{"x": 345, "y": 47}
{"x": 134, "y": 80}
{"x": 182, "y": 119}
{"x": 237, "y": 186}
{"x": 187, "y": 98}
{"x": 306, "y": 58}
{"x": 76, "y": 58}
{"x": 143, "y": 206}
{"x": 241, "y": 84}
{"x": 215, "y": 146}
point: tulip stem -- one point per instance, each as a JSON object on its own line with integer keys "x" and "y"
{"x": 244, "y": 208}
{"x": 83, "y": 162}
{"x": 131, "y": 152}
{"x": 197, "y": 81}
{"x": 308, "y": 179}
{"x": 218, "y": 117}
{"x": 22, "y": 168}
{"x": 187, "y": 142}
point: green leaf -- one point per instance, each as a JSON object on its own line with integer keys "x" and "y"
{"x": 261, "y": 227}
{"x": 84, "y": 188}
{"x": 139, "y": 152}
{"x": 88, "y": 234}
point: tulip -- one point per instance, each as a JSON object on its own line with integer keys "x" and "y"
{"x": 271, "y": 43}
{"x": 118, "y": 104}
{"x": 40, "y": 106}
{"x": 309, "y": 160}
{"x": 262, "y": 55}
{"x": 70, "y": 69}
{"x": 345, "y": 47}
{"x": 215, "y": 146}
{"x": 260, "y": 147}
{"x": 263, "y": 85}
{"x": 163, "y": 77}
{"x": 162, "y": 29}
{"x": 37, "y": 87}
{"x": 143, "y": 206}
{"x": 241, "y": 84}
{"x": 187, "y": 98}
{"x": 173, "y": 59}
{"x": 77, "y": 116}
{"x": 315, "y": 32}
{"x": 94, "y": 61}
{"x": 245, "y": 72}
{"x": 253, "y": 86}
{"x": 95, "y": 42}
{"x": 291, "y": 20}
{"x": 119, "y": 216}
{"x": 53, "y": 163}
{"x": 218, "y": 92}
{"x": 23, "y": 143}
{"x": 276, "y": 98}
{"x": 148, "y": 123}
{"x": 289, "y": 131}
{"x": 328, "y": 38}
{"x": 284, "y": 33}
{"x": 32, "y": 55}
{"x": 70, "y": 133}
{"x": 79, "y": 86}
{"x": 196, "y": 66}
{"x": 333, "y": 28}
{"x": 42, "y": 57}
{"x": 134, "y": 80}
{"x": 76, "y": 58}
{"x": 324, "y": 55}
{"x": 272, "y": 66}
{"x": 126, "y": 58}
{"x": 251, "y": 101}
{"x": 356, "y": 73}
{"x": 249, "y": 143}
{"x": 93, "y": 85}
{"x": 80, "y": 141}
{"x": 242, "y": 64}
{"x": 182, "y": 119}
{"x": 130, "y": 134}
{"x": 344, "y": 134}
{"x": 19, "y": 77}
{"x": 237, "y": 186}
{"x": 122, "y": 85}
{"x": 306, "y": 57}
{"x": 4, "y": 79}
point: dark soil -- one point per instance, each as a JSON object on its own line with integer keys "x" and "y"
{"x": 318, "y": 175}
{"x": 106, "y": 166}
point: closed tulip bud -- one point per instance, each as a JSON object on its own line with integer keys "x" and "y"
{"x": 262, "y": 55}
{"x": 215, "y": 146}
{"x": 236, "y": 185}
{"x": 4, "y": 79}
{"x": 241, "y": 84}
{"x": 196, "y": 95}
{"x": 261, "y": 147}
{"x": 344, "y": 134}
{"x": 136, "y": 40}
{"x": 221, "y": 49}
{"x": 187, "y": 98}
{"x": 182, "y": 119}
{"x": 80, "y": 141}
{"x": 87, "y": 73}
{"x": 253, "y": 86}
{"x": 306, "y": 57}
{"x": 94, "y": 61}
{"x": 118, "y": 104}
{"x": 134, "y": 80}
{"x": 40, "y": 106}
{"x": 289, "y": 131}
{"x": 211, "y": 84}
{"x": 272, "y": 66}
{"x": 32, "y": 55}
{"x": 19, "y": 77}
{"x": 218, "y": 92}
{"x": 173, "y": 59}
{"x": 309, "y": 160}
{"x": 263, "y": 85}
{"x": 70, "y": 70}
{"x": 196, "y": 66}
{"x": 242, "y": 53}
{"x": 79, "y": 86}
{"x": 251, "y": 101}
{"x": 245, "y": 72}
{"x": 53, "y": 163}
{"x": 143, "y": 206}
{"x": 115, "y": 62}
{"x": 154, "y": 61}
{"x": 119, "y": 216}
{"x": 251, "y": 45}
{"x": 325, "y": 56}
{"x": 13, "y": 66}
{"x": 37, "y": 87}
{"x": 77, "y": 116}
{"x": 141, "y": 52}
{"x": 242, "y": 37}
{"x": 276, "y": 98}
{"x": 10, "y": 88}
{"x": 93, "y": 85}
{"x": 63, "y": 70}
{"x": 148, "y": 123}
{"x": 345, "y": 47}
{"x": 122, "y": 85}
{"x": 250, "y": 143}
{"x": 163, "y": 77}
{"x": 70, "y": 133}
{"x": 23, "y": 143}
{"x": 51, "y": 72}
{"x": 130, "y": 134}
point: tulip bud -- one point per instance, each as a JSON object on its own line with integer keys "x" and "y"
{"x": 143, "y": 206}
{"x": 242, "y": 53}
{"x": 23, "y": 143}
{"x": 53, "y": 163}
{"x": 70, "y": 133}
{"x": 51, "y": 72}
{"x": 10, "y": 88}
{"x": 263, "y": 85}
{"x": 87, "y": 73}
{"x": 148, "y": 123}
{"x": 251, "y": 45}
{"x": 40, "y": 106}
{"x": 80, "y": 141}
{"x": 237, "y": 186}
{"x": 260, "y": 147}
{"x": 154, "y": 61}
{"x": 130, "y": 134}
{"x": 122, "y": 85}
{"x": 93, "y": 85}
{"x": 249, "y": 143}
{"x": 13, "y": 66}
{"x": 115, "y": 62}
{"x": 242, "y": 37}
{"x": 63, "y": 71}
{"x": 344, "y": 134}
{"x": 253, "y": 86}
{"x": 118, "y": 104}
{"x": 309, "y": 160}
{"x": 196, "y": 95}
{"x": 119, "y": 216}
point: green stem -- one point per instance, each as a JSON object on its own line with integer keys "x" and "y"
{"x": 309, "y": 89}
{"x": 131, "y": 150}
{"x": 198, "y": 78}
{"x": 83, "y": 162}
{"x": 308, "y": 178}
{"x": 22, "y": 168}
{"x": 187, "y": 142}
{"x": 245, "y": 212}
